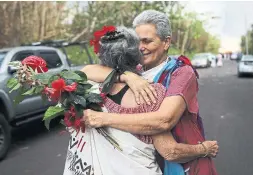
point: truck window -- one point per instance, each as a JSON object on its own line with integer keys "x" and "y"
{"x": 2, "y": 55}
{"x": 52, "y": 58}
{"x": 22, "y": 55}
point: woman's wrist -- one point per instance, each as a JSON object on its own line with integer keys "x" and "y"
{"x": 123, "y": 77}
{"x": 201, "y": 150}
{"x": 105, "y": 119}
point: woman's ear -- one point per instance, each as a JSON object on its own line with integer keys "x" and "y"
{"x": 167, "y": 43}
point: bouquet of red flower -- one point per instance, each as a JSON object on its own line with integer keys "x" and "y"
{"x": 68, "y": 89}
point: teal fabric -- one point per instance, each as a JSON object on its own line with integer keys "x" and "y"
{"x": 170, "y": 168}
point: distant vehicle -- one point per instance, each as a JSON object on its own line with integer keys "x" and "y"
{"x": 234, "y": 56}
{"x": 245, "y": 65}
{"x": 202, "y": 60}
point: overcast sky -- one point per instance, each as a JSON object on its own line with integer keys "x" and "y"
{"x": 235, "y": 17}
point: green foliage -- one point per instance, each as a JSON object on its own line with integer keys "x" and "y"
{"x": 77, "y": 57}
{"x": 70, "y": 75}
{"x": 51, "y": 113}
{"x": 250, "y": 41}
{"x": 12, "y": 82}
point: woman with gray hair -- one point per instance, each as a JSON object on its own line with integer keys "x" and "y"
{"x": 179, "y": 111}
{"x": 135, "y": 154}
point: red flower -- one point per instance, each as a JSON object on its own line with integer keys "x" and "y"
{"x": 36, "y": 63}
{"x": 185, "y": 60}
{"x": 59, "y": 86}
{"x": 97, "y": 36}
{"x": 77, "y": 123}
{"x": 103, "y": 95}
{"x": 67, "y": 117}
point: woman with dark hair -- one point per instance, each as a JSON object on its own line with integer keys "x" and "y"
{"x": 115, "y": 152}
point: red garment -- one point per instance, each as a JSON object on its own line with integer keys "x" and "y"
{"x": 187, "y": 130}
{"x": 113, "y": 107}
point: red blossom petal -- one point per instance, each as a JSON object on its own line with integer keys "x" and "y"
{"x": 36, "y": 63}
{"x": 97, "y": 36}
{"x": 59, "y": 84}
{"x": 71, "y": 87}
{"x": 67, "y": 121}
{"x": 77, "y": 123}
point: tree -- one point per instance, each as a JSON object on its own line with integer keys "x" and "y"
{"x": 27, "y": 21}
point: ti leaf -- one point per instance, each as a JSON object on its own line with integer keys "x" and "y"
{"x": 109, "y": 81}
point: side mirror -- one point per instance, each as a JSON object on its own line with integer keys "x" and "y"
{"x": 11, "y": 69}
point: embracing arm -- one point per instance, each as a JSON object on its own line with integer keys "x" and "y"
{"x": 172, "y": 151}
{"x": 150, "y": 123}
{"x": 96, "y": 72}
{"x": 140, "y": 86}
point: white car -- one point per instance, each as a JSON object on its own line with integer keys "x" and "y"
{"x": 202, "y": 60}
{"x": 245, "y": 65}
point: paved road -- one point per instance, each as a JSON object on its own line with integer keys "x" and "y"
{"x": 225, "y": 105}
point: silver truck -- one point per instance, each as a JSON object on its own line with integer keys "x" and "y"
{"x": 32, "y": 107}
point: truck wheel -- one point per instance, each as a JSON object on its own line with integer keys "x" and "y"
{"x": 5, "y": 136}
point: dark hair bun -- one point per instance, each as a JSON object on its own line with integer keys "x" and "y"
{"x": 110, "y": 36}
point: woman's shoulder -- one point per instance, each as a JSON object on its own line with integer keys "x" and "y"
{"x": 184, "y": 70}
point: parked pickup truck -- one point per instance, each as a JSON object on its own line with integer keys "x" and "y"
{"x": 32, "y": 107}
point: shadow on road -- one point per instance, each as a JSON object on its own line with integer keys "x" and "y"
{"x": 32, "y": 131}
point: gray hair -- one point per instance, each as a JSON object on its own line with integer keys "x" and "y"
{"x": 159, "y": 19}
{"x": 122, "y": 53}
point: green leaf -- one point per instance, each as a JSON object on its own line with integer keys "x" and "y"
{"x": 70, "y": 75}
{"x": 80, "y": 100}
{"x": 38, "y": 89}
{"x": 79, "y": 110}
{"x": 29, "y": 92}
{"x": 53, "y": 111}
{"x": 12, "y": 82}
{"x": 19, "y": 97}
{"x": 15, "y": 87}
{"x": 94, "y": 98}
{"x": 82, "y": 75}
{"x": 42, "y": 77}
{"x": 82, "y": 88}
{"x": 47, "y": 122}
{"x": 94, "y": 106}
{"x": 53, "y": 78}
